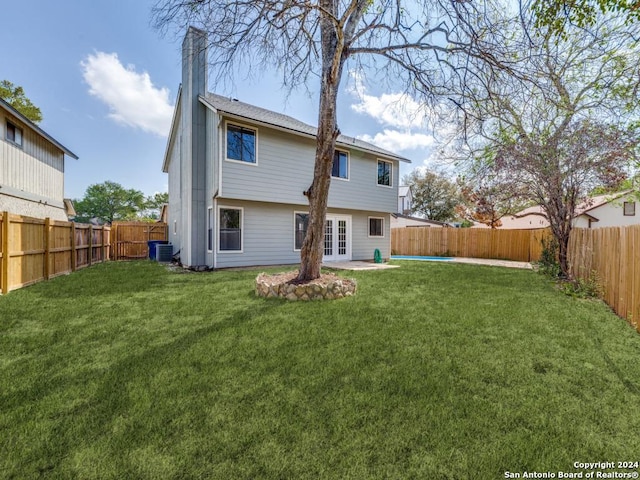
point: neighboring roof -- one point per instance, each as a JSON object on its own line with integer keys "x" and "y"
{"x": 422, "y": 220}
{"x": 598, "y": 201}
{"x": 36, "y": 128}
{"x": 243, "y": 110}
{"x": 404, "y": 190}
{"x": 581, "y": 209}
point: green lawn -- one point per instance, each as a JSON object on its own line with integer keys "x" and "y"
{"x": 433, "y": 371}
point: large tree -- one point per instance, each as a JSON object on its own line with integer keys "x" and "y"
{"x": 15, "y": 96}
{"x": 433, "y": 195}
{"x": 561, "y": 121}
{"x": 109, "y": 201}
{"x": 313, "y": 39}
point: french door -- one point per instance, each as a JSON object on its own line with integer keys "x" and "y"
{"x": 337, "y": 238}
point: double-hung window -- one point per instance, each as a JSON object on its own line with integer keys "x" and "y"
{"x": 241, "y": 143}
{"x": 385, "y": 173}
{"x": 376, "y": 227}
{"x": 14, "y": 134}
{"x": 340, "y": 167}
{"x": 629, "y": 209}
{"x": 301, "y": 222}
{"x": 230, "y": 229}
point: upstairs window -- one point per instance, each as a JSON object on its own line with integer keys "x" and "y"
{"x": 340, "y": 165}
{"x": 384, "y": 173}
{"x": 241, "y": 144}
{"x": 14, "y": 134}
{"x": 629, "y": 209}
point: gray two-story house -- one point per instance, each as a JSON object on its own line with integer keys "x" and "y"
{"x": 237, "y": 174}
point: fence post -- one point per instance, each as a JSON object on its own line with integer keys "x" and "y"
{"x": 113, "y": 240}
{"x": 102, "y": 244}
{"x": 47, "y": 249}
{"x": 5, "y": 252}
{"x": 74, "y": 251}
{"x": 90, "y": 255}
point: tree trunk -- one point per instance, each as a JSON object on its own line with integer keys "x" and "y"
{"x": 313, "y": 245}
{"x": 563, "y": 255}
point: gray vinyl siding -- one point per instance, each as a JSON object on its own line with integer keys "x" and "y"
{"x": 363, "y": 246}
{"x": 37, "y": 167}
{"x": 175, "y": 195}
{"x": 284, "y": 170}
{"x": 268, "y": 234}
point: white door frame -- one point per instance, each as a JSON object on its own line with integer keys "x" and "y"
{"x": 337, "y": 238}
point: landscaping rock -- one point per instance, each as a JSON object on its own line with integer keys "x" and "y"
{"x": 328, "y": 287}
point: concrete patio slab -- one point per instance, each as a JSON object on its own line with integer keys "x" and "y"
{"x": 358, "y": 265}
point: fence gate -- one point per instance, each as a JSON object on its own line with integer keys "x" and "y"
{"x": 130, "y": 239}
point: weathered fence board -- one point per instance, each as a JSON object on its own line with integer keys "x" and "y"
{"x": 130, "y": 238}
{"x": 518, "y": 245}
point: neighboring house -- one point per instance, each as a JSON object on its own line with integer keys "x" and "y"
{"x": 237, "y": 174}
{"x": 31, "y": 168}
{"x": 613, "y": 210}
{"x": 528, "y": 219}
{"x": 405, "y": 200}
{"x": 401, "y": 221}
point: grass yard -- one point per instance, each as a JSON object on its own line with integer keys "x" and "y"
{"x": 433, "y": 371}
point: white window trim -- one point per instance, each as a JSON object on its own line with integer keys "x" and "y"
{"x": 210, "y": 225}
{"x": 390, "y": 173}
{"x": 369, "y": 227}
{"x": 296, "y": 212}
{"x": 348, "y": 166}
{"x": 242, "y": 125}
{"x": 224, "y": 252}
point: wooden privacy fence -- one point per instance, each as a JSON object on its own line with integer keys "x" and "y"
{"x": 130, "y": 238}
{"x": 34, "y": 249}
{"x": 517, "y": 245}
{"x": 613, "y": 254}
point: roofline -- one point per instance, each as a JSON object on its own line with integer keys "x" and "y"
{"x": 425, "y": 220}
{"x": 609, "y": 198}
{"x": 208, "y": 104}
{"x": 171, "y": 137}
{"x": 35, "y": 127}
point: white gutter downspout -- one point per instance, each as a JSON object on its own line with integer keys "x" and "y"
{"x": 218, "y": 194}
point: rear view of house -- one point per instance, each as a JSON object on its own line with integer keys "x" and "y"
{"x": 237, "y": 176}
{"x": 31, "y": 168}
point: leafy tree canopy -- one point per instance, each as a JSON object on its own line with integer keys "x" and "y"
{"x": 557, "y": 15}
{"x": 15, "y": 97}
{"x": 109, "y": 201}
{"x": 434, "y": 195}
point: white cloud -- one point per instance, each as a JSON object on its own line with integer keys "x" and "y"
{"x": 132, "y": 98}
{"x": 394, "y": 140}
{"x": 398, "y": 110}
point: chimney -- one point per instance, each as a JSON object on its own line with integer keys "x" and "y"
{"x": 192, "y": 150}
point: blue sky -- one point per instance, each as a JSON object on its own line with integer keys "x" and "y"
{"x": 106, "y": 83}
